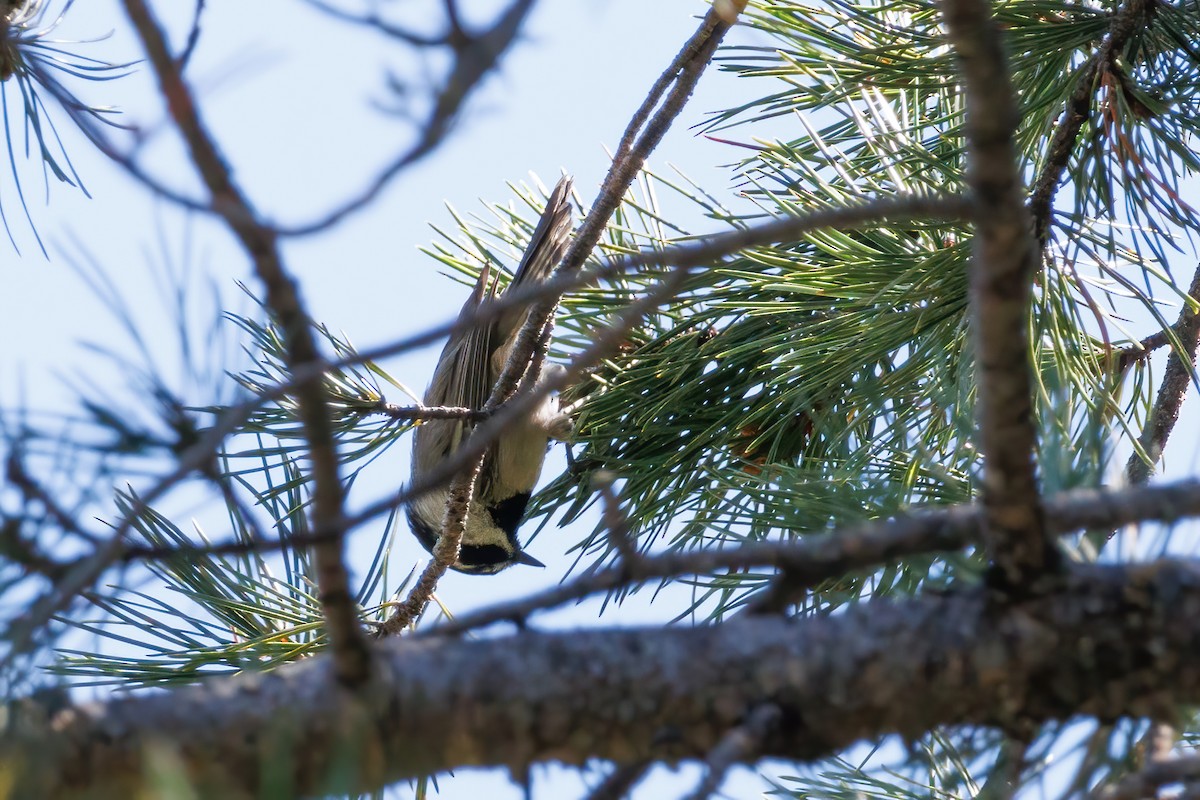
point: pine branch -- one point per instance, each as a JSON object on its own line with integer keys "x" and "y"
{"x": 346, "y": 635}
{"x": 956, "y": 659}
{"x": 86, "y": 571}
{"x": 1124, "y": 24}
{"x": 1177, "y": 377}
{"x": 681, "y": 259}
{"x": 1004, "y": 261}
{"x": 806, "y": 562}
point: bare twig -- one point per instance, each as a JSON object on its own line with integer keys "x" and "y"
{"x": 1079, "y": 107}
{"x": 1177, "y": 377}
{"x": 1142, "y": 350}
{"x": 1003, "y": 263}
{"x": 739, "y": 745}
{"x": 419, "y": 413}
{"x": 193, "y": 38}
{"x": 475, "y": 58}
{"x": 445, "y": 553}
{"x": 1147, "y": 782}
{"x": 16, "y": 474}
{"x": 346, "y": 636}
{"x": 18, "y": 548}
{"x": 813, "y": 559}
{"x": 684, "y": 72}
{"x": 620, "y": 782}
{"x": 372, "y": 20}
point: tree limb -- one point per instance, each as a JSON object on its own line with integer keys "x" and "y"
{"x": 283, "y": 298}
{"x": 1003, "y": 263}
{"x": 806, "y": 562}
{"x": 1171, "y": 392}
{"x": 1079, "y": 107}
{"x": 1106, "y": 642}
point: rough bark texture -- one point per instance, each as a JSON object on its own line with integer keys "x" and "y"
{"x": 1003, "y": 262}
{"x": 1108, "y": 642}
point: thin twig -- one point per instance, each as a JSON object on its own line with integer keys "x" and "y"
{"x": 474, "y": 61}
{"x": 685, "y": 71}
{"x": 1177, "y": 376}
{"x": 372, "y": 20}
{"x": 737, "y": 746}
{"x": 620, "y": 782}
{"x": 17, "y": 475}
{"x": 1078, "y": 109}
{"x": 1126, "y": 357}
{"x": 347, "y": 639}
{"x": 1149, "y": 780}
{"x": 420, "y": 413}
{"x": 445, "y": 553}
{"x": 817, "y": 558}
{"x": 193, "y": 38}
{"x": 1003, "y": 263}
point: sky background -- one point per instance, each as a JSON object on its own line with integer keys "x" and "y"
{"x": 292, "y": 97}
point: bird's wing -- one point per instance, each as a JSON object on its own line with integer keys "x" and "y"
{"x": 461, "y": 379}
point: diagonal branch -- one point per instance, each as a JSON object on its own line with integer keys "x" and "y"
{"x": 1079, "y": 107}
{"x": 641, "y": 136}
{"x": 1177, "y": 376}
{"x": 475, "y": 58}
{"x": 86, "y": 571}
{"x": 283, "y": 298}
{"x": 1003, "y": 263}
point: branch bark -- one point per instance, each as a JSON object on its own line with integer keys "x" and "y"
{"x": 1003, "y": 263}
{"x": 1108, "y": 642}
{"x": 1177, "y": 376}
{"x": 346, "y": 635}
{"x": 1078, "y": 108}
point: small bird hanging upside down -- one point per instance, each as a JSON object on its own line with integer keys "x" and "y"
{"x": 468, "y": 368}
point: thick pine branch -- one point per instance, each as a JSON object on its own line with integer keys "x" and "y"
{"x": 1108, "y": 642}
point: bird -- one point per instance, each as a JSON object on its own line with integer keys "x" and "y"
{"x": 466, "y": 371}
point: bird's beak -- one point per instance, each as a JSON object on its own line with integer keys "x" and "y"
{"x": 528, "y": 560}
